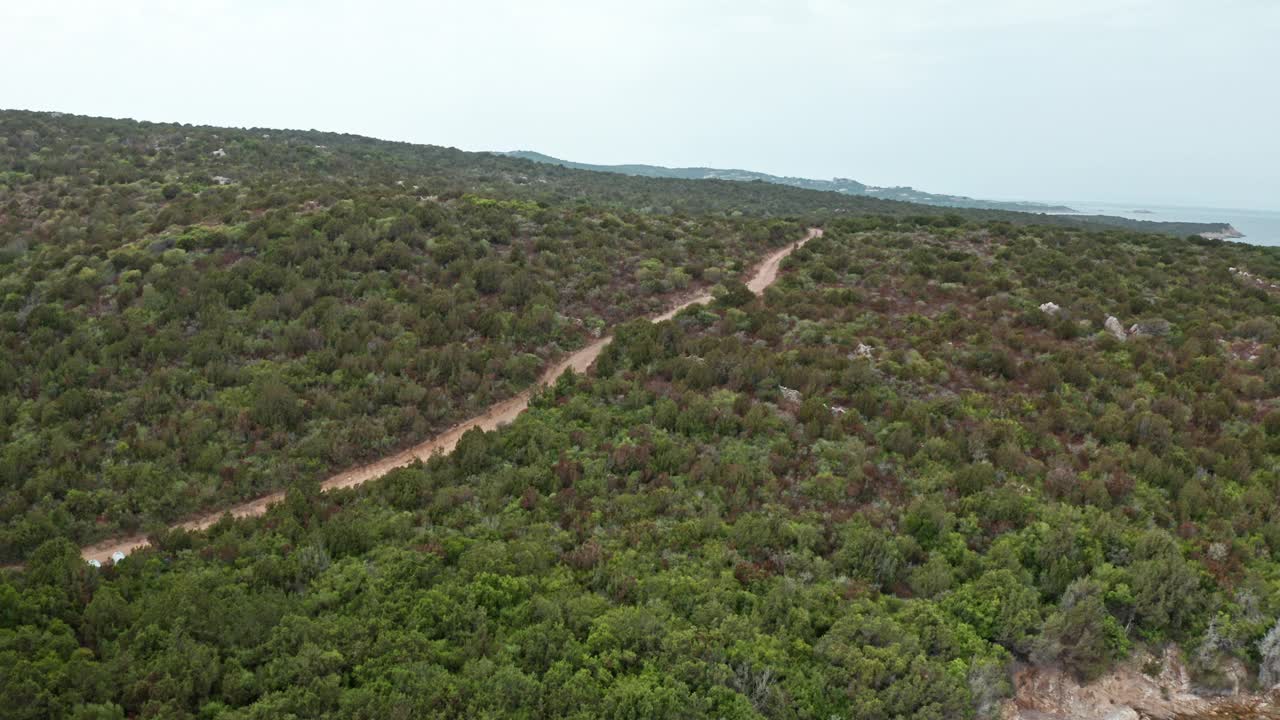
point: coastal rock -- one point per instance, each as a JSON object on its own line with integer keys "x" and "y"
{"x": 1226, "y": 233}
{"x": 1050, "y": 308}
{"x": 1114, "y": 327}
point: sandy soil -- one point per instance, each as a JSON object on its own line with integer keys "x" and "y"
{"x": 499, "y": 414}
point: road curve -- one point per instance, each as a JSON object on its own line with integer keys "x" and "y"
{"x": 499, "y": 414}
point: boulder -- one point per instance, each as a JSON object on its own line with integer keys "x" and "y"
{"x": 1156, "y": 327}
{"x": 788, "y": 394}
{"x": 1114, "y": 327}
{"x": 1050, "y": 308}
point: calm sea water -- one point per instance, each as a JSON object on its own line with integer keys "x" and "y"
{"x": 1260, "y": 227}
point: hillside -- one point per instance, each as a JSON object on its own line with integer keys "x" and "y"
{"x": 844, "y": 186}
{"x": 924, "y": 456}
{"x": 744, "y": 513}
{"x": 191, "y": 319}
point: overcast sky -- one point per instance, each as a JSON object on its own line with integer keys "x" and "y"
{"x": 1151, "y": 101}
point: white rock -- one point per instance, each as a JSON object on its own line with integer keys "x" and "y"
{"x": 95, "y": 563}
{"x": 219, "y": 153}
{"x": 788, "y": 394}
{"x": 222, "y": 180}
{"x": 863, "y": 351}
{"x": 117, "y": 556}
{"x": 1050, "y": 308}
{"x": 1114, "y": 327}
{"x": 1156, "y": 327}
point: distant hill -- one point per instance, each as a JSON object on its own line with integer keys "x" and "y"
{"x": 839, "y": 185}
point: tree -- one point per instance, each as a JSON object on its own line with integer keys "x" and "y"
{"x": 1166, "y": 587}
{"x": 1000, "y": 607}
{"x": 1269, "y": 650}
{"x": 1081, "y": 634}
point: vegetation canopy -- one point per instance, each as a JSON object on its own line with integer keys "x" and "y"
{"x": 921, "y": 458}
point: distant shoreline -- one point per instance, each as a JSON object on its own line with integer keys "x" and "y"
{"x": 1250, "y": 225}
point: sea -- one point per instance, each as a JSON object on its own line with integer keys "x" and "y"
{"x": 1260, "y": 227}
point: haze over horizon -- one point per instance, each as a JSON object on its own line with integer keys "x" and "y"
{"x": 1135, "y": 101}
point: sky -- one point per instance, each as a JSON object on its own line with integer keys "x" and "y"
{"x": 1157, "y": 101}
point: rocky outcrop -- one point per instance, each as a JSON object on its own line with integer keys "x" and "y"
{"x": 1157, "y": 328}
{"x": 1226, "y": 233}
{"x": 1255, "y": 280}
{"x": 1128, "y": 693}
{"x": 1114, "y": 327}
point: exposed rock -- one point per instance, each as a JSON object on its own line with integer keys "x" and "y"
{"x": 1126, "y": 693}
{"x": 219, "y": 153}
{"x": 1255, "y": 280}
{"x": 1050, "y": 308}
{"x": 788, "y": 394}
{"x": 1155, "y": 327}
{"x": 1114, "y": 327}
{"x": 222, "y": 179}
{"x": 863, "y": 351}
{"x": 1227, "y": 232}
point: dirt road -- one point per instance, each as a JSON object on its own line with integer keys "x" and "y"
{"x": 502, "y": 413}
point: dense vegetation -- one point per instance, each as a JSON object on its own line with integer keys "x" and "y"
{"x": 193, "y": 316}
{"x": 870, "y": 493}
{"x": 866, "y": 494}
{"x": 172, "y": 344}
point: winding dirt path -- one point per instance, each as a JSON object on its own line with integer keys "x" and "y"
{"x": 499, "y": 414}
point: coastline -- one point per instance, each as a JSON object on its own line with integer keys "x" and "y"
{"x": 1250, "y": 226}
